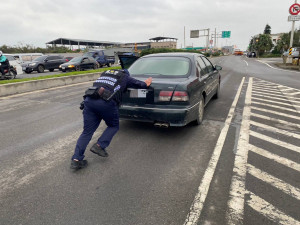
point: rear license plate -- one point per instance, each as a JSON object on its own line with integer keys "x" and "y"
{"x": 138, "y": 93}
{"x": 63, "y": 68}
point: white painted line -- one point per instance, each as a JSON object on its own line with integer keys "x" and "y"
{"x": 284, "y": 161}
{"x": 274, "y": 106}
{"x": 246, "y": 62}
{"x": 267, "y": 91}
{"x": 198, "y": 203}
{"x": 276, "y": 113}
{"x": 277, "y": 68}
{"x": 236, "y": 200}
{"x": 275, "y": 120}
{"x": 275, "y": 130}
{"x": 274, "y": 102}
{"x": 281, "y": 98}
{"x": 294, "y": 93}
{"x": 275, "y": 141}
{"x": 267, "y": 87}
{"x": 268, "y": 210}
{"x": 275, "y": 182}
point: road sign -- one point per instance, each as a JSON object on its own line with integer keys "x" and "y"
{"x": 194, "y": 33}
{"x": 226, "y": 34}
{"x": 294, "y": 18}
{"x": 294, "y": 9}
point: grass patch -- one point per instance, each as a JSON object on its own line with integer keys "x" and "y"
{"x": 57, "y": 75}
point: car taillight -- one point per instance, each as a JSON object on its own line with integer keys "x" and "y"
{"x": 67, "y": 60}
{"x": 165, "y": 96}
{"x": 181, "y": 96}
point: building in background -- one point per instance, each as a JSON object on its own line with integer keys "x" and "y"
{"x": 163, "y": 42}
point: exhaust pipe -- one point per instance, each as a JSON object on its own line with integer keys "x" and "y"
{"x": 165, "y": 125}
{"x": 157, "y": 124}
{"x": 162, "y": 125}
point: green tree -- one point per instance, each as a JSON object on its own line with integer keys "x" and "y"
{"x": 267, "y": 29}
{"x": 261, "y": 44}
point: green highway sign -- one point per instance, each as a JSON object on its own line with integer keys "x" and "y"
{"x": 226, "y": 34}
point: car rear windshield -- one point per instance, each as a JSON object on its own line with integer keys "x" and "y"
{"x": 161, "y": 66}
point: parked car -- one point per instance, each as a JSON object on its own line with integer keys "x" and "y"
{"x": 183, "y": 83}
{"x": 13, "y": 62}
{"x": 101, "y": 58}
{"x": 46, "y": 62}
{"x": 79, "y": 63}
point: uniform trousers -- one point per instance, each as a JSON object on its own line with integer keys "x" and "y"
{"x": 96, "y": 110}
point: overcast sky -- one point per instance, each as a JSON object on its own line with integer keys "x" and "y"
{"x": 36, "y": 22}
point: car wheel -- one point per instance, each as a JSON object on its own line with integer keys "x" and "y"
{"x": 40, "y": 69}
{"x": 200, "y": 111}
{"x": 51, "y": 70}
{"x": 28, "y": 72}
{"x": 108, "y": 64}
{"x": 217, "y": 95}
{"x": 95, "y": 66}
{"x": 77, "y": 68}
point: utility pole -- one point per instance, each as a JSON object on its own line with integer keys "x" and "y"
{"x": 215, "y": 38}
{"x": 184, "y": 37}
{"x": 292, "y": 32}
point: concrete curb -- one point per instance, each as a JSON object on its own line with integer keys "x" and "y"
{"x": 27, "y": 86}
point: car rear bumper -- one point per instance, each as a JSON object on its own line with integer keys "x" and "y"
{"x": 172, "y": 116}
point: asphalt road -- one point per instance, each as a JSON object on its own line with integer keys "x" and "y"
{"x": 241, "y": 166}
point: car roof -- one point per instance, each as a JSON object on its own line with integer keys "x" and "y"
{"x": 180, "y": 54}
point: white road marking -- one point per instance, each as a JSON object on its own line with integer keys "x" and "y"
{"x": 276, "y": 102}
{"x": 270, "y": 211}
{"x": 274, "y": 106}
{"x": 277, "y": 68}
{"x": 294, "y": 93}
{"x": 267, "y": 91}
{"x": 275, "y": 141}
{"x": 267, "y": 88}
{"x": 276, "y": 113}
{"x": 275, "y": 120}
{"x": 275, "y": 182}
{"x": 284, "y": 161}
{"x": 281, "y": 98}
{"x": 198, "y": 203}
{"x": 235, "y": 211}
{"x": 246, "y": 62}
{"x": 275, "y": 130}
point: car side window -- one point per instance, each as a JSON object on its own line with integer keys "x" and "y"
{"x": 85, "y": 60}
{"x": 209, "y": 66}
{"x": 202, "y": 66}
{"x": 51, "y": 58}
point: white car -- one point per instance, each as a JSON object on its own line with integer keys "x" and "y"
{"x": 14, "y": 62}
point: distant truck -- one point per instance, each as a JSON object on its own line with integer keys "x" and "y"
{"x": 101, "y": 58}
{"x": 238, "y": 52}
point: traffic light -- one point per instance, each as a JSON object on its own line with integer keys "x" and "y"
{"x": 226, "y": 34}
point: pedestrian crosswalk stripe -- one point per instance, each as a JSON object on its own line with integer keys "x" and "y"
{"x": 275, "y": 120}
{"x": 275, "y": 130}
{"x": 275, "y": 141}
{"x": 284, "y": 161}
{"x": 275, "y": 182}
{"x": 274, "y": 106}
{"x": 276, "y": 113}
{"x": 270, "y": 211}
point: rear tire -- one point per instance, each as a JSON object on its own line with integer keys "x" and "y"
{"x": 51, "y": 70}
{"x": 40, "y": 69}
{"x": 200, "y": 114}
{"x": 95, "y": 66}
{"x": 28, "y": 72}
{"x": 77, "y": 68}
{"x": 108, "y": 64}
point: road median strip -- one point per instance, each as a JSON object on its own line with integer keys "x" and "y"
{"x": 11, "y": 87}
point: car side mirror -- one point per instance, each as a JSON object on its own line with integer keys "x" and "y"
{"x": 218, "y": 67}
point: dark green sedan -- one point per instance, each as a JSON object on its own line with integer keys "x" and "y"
{"x": 183, "y": 83}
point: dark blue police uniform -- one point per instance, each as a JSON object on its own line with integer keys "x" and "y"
{"x": 97, "y": 109}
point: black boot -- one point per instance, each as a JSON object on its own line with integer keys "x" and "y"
{"x": 76, "y": 165}
{"x": 98, "y": 150}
